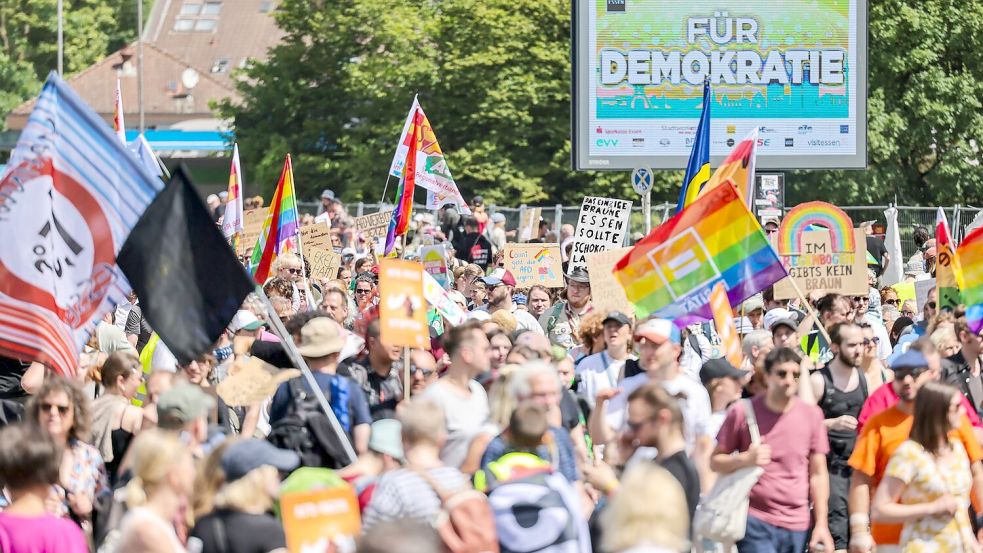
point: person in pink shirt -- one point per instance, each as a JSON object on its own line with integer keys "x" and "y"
{"x": 886, "y": 396}
{"x": 29, "y": 466}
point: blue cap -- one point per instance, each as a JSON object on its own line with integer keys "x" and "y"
{"x": 519, "y": 299}
{"x": 244, "y": 456}
{"x": 911, "y": 359}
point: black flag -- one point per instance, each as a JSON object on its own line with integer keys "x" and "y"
{"x": 188, "y": 280}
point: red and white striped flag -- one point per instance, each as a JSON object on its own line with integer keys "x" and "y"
{"x": 723, "y": 318}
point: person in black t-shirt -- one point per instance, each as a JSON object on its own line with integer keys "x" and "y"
{"x": 473, "y": 247}
{"x": 877, "y": 256}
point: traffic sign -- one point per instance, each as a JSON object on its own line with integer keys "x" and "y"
{"x": 641, "y": 180}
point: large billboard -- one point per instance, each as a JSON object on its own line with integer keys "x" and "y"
{"x": 797, "y": 69}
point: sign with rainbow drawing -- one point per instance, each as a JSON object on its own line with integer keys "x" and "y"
{"x": 534, "y": 264}
{"x": 796, "y": 69}
{"x": 821, "y": 251}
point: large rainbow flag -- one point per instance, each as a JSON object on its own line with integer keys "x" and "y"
{"x": 948, "y": 267}
{"x": 280, "y": 228}
{"x": 400, "y": 222}
{"x": 671, "y": 272}
{"x": 738, "y": 168}
{"x": 970, "y": 278}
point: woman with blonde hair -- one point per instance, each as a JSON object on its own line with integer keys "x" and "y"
{"x": 250, "y": 470}
{"x": 633, "y": 522}
{"x": 927, "y": 481}
{"x": 590, "y": 335}
{"x": 945, "y": 340}
{"x": 163, "y": 478}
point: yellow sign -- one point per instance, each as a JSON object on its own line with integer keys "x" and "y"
{"x": 402, "y": 308}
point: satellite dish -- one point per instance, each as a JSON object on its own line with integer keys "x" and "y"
{"x": 189, "y": 78}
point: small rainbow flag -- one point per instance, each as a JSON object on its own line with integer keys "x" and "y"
{"x": 279, "y": 229}
{"x": 723, "y": 319}
{"x": 970, "y": 278}
{"x": 400, "y": 223}
{"x": 948, "y": 268}
{"x": 671, "y": 272}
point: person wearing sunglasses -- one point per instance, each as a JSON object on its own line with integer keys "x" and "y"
{"x": 884, "y": 431}
{"x": 61, "y": 410}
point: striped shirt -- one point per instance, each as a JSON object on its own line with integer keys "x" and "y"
{"x": 403, "y": 494}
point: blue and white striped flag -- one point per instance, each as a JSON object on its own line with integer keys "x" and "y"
{"x": 69, "y": 197}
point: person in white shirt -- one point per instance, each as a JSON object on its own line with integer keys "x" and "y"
{"x": 605, "y": 370}
{"x": 500, "y": 285}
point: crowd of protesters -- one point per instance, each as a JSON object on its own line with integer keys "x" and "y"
{"x": 586, "y": 430}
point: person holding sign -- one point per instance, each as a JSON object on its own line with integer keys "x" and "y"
{"x": 562, "y": 321}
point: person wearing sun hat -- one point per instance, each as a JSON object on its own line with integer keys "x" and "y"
{"x": 562, "y": 321}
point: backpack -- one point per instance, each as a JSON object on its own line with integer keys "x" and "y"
{"x": 465, "y": 523}
{"x": 307, "y": 431}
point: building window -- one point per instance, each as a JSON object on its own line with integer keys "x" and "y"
{"x": 205, "y": 24}
{"x": 189, "y": 8}
{"x": 182, "y": 24}
{"x": 211, "y": 8}
{"x": 221, "y": 65}
{"x": 198, "y": 16}
{"x": 266, "y": 6}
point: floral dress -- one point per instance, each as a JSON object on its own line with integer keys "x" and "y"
{"x": 927, "y": 479}
{"x": 88, "y": 475}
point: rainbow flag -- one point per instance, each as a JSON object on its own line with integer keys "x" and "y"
{"x": 118, "y": 125}
{"x": 232, "y": 220}
{"x": 698, "y": 168}
{"x": 280, "y": 228}
{"x": 723, "y": 319}
{"x": 970, "y": 278}
{"x": 738, "y": 168}
{"x": 947, "y": 268}
{"x": 400, "y": 223}
{"x": 671, "y": 272}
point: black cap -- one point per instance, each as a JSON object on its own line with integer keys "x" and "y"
{"x": 579, "y": 274}
{"x": 719, "y": 368}
{"x": 617, "y": 316}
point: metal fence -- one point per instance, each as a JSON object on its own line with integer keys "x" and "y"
{"x": 909, "y": 217}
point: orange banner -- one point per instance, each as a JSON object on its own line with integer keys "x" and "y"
{"x": 321, "y": 520}
{"x": 402, "y": 308}
{"x": 723, "y": 318}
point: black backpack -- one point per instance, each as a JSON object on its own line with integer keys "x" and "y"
{"x": 307, "y": 431}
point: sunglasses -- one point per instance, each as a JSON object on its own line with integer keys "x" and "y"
{"x": 891, "y": 302}
{"x": 294, "y": 271}
{"x": 914, "y": 372}
{"x": 363, "y": 290}
{"x": 426, "y": 372}
{"x": 784, "y": 374}
{"x": 62, "y": 409}
{"x": 931, "y": 305}
{"x": 908, "y": 313}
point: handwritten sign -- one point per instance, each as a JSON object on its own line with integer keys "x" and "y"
{"x": 373, "y": 225}
{"x": 324, "y": 263}
{"x": 402, "y": 308}
{"x": 606, "y": 293}
{"x": 326, "y": 519}
{"x": 434, "y": 260}
{"x": 317, "y": 235}
{"x": 252, "y": 225}
{"x": 601, "y": 225}
{"x": 816, "y": 267}
{"x": 438, "y": 298}
{"x": 534, "y": 264}
{"x": 529, "y": 223}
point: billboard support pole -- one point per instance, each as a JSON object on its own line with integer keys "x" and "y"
{"x": 647, "y": 210}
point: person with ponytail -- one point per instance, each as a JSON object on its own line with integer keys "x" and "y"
{"x": 163, "y": 479}
{"x": 115, "y": 420}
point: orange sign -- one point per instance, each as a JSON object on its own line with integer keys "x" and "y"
{"x": 316, "y": 520}
{"x": 402, "y": 308}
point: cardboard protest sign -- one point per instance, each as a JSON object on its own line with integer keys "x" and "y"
{"x": 442, "y": 302}
{"x": 601, "y": 225}
{"x": 922, "y": 289}
{"x": 252, "y": 225}
{"x": 434, "y": 260}
{"x": 534, "y": 264}
{"x": 317, "y": 235}
{"x": 529, "y": 223}
{"x": 373, "y": 225}
{"x": 324, "y": 263}
{"x": 606, "y": 292}
{"x": 314, "y": 520}
{"x": 817, "y": 266}
{"x": 402, "y": 308}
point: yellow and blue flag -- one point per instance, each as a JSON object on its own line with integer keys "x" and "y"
{"x": 698, "y": 168}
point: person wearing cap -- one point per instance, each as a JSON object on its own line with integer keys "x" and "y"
{"x": 185, "y": 409}
{"x": 659, "y": 347}
{"x": 783, "y": 327}
{"x": 792, "y": 452}
{"x": 770, "y": 225}
{"x": 754, "y": 309}
{"x": 377, "y": 371}
{"x": 562, "y": 321}
{"x": 500, "y": 285}
{"x": 883, "y": 433}
{"x": 240, "y": 520}
{"x": 498, "y": 234}
{"x": 604, "y": 370}
{"x": 320, "y": 345}
{"x": 327, "y": 198}
{"x": 724, "y": 383}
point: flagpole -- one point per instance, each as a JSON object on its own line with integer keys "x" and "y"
{"x": 385, "y": 189}
{"x": 303, "y": 269}
{"x": 140, "y": 63}
{"x": 61, "y": 38}
{"x": 291, "y": 349}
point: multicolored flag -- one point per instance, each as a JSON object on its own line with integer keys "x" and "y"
{"x": 947, "y": 268}
{"x": 723, "y": 318}
{"x": 232, "y": 220}
{"x": 698, "y": 168}
{"x": 280, "y": 228}
{"x": 738, "y": 168}
{"x": 432, "y": 173}
{"x": 970, "y": 278}
{"x": 69, "y": 198}
{"x": 400, "y": 222}
{"x": 118, "y": 125}
{"x": 671, "y": 272}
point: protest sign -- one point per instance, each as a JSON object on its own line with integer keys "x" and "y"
{"x": 325, "y": 519}
{"x": 373, "y": 225}
{"x": 252, "y": 225}
{"x": 605, "y": 291}
{"x": 529, "y": 223}
{"x": 317, "y": 235}
{"x": 435, "y": 262}
{"x": 818, "y": 266}
{"x": 442, "y": 302}
{"x": 532, "y": 264}
{"x": 601, "y": 225}
{"x": 402, "y": 309}
{"x": 922, "y": 289}
{"x": 324, "y": 263}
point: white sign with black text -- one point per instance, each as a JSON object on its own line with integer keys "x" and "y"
{"x": 602, "y": 225}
